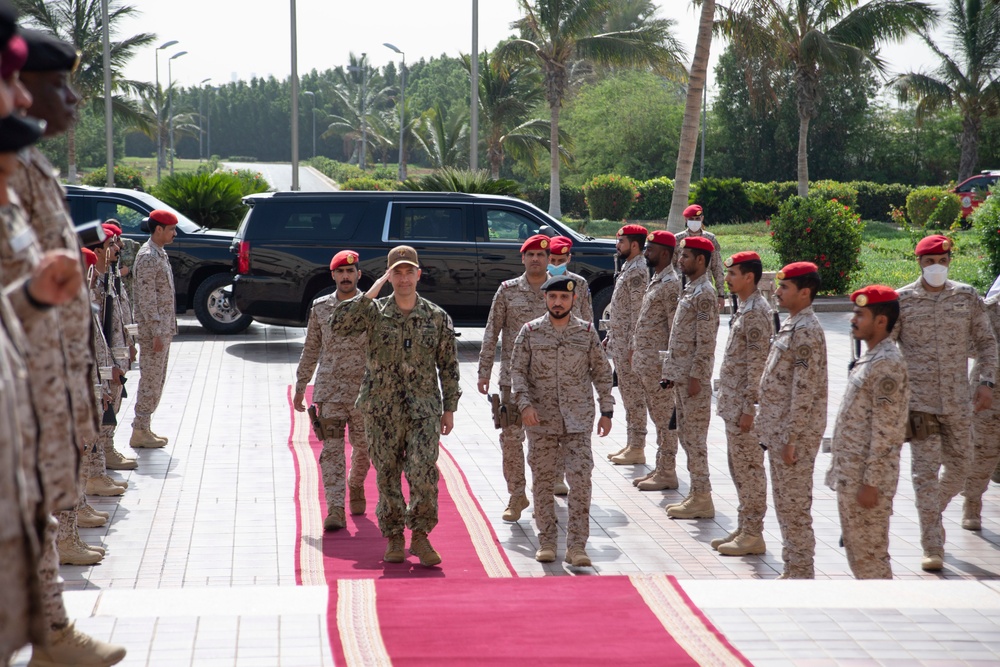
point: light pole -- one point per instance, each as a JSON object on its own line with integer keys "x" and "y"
{"x": 312, "y": 96}
{"x": 295, "y": 101}
{"x": 159, "y": 110}
{"x": 364, "y": 94}
{"x": 402, "y": 108}
{"x": 474, "y": 111}
{"x": 109, "y": 132}
{"x": 201, "y": 114}
{"x": 170, "y": 104}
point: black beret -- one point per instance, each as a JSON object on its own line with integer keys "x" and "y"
{"x": 8, "y": 22}
{"x": 49, "y": 54}
{"x": 559, "y": 284}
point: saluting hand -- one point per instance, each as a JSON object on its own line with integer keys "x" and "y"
{"x": 377, "y": 287}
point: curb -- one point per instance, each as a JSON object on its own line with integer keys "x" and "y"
{"x": 323, "y": 177}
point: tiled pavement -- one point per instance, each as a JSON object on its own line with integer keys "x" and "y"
{"x": 200, "y": 548}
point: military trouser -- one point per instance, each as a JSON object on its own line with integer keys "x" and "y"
{"x": 549, "y": 456}
{"x": 693, "y": 416}
{"x": 512, "y": 451}
{"x": 151, "y": 378}
{"x": 746, "y": 467}
{"x": 16, "y": 584}
{"x": 630, "y": 387}
{"x": 939, "y": 466}
{"x": 401, "y": 444}
{"x": 53, "y": 608}
{"x": 985, "y": 453}
{"x": 792, "y": 487}
{"x": 332, "y": 463}
{"x": 660, "y": 403}
{"x": 865, "y": 532}
{"x": 106, "y": 440}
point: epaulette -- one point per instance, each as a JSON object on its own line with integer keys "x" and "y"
{"x": 962, "y": 288}
{"x": 323, "y": 299}
{"x": 509, "y": 283}
{"x": 906, "y": 290}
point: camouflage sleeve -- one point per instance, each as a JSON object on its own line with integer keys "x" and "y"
{"x": 447, "y": 363}
{"x": 715, "y": 265}
{"x": 129, "y": 250}
{"x": 806, "y": 371}
{"x": 310, "y": 354}
{"x": 985, "y": 343}
{"x": 706, "y": 330}
{"x": 635, "y": 290}
{"x": 145, "y": 308}
{"x": 757, "y": 333}
{"x": 354, "y": 316}
{"x": 491, "y": 334}
{"x": 585, "y": 304}
{"x": 889, "y": 408}
{"x": 23, "y": 309}
{"x": 600, "y": 372}
{"x": 519, "y": 365}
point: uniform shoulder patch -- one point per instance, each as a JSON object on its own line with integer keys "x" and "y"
{"x": 704, "y": 305}
{"x": 886, "y": 390}
{"x": 754, "y": 334}
{"x": 803, "y": 351}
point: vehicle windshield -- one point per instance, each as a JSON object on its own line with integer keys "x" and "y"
{"x": 560, "y": 227}
{"x": 184, "y": 223}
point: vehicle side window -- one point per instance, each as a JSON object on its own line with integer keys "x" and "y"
{"x": 430, "y": 223}
{"x": 310, "y": 221}
{"x": 504, "y": 225}
{"x": 128, "y": 216}
{"x": 980, "y": 183}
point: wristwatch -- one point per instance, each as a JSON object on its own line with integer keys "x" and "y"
{"x": 609, "y": 414}
{"x": 986, "y": 383}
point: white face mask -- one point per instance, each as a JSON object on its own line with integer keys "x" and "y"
{"x": 935, "y": 275}
{"x": 694, "y": 225}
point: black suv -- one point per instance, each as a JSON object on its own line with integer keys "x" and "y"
{"x": 468, "y": 245}
{"x": 199, "y": 256}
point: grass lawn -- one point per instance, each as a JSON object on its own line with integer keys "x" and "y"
{"x": 147, "y": 165}
{"x": 886, "y": 252}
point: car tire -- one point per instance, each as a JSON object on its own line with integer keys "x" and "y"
{"x": 215, "y": 308}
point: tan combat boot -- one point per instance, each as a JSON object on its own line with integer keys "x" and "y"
{"x": 546, "y": 553}
{"x": 722, "y": 540}
{"x": 69, "y": 646}
{"x": 102, "y": 485}
{"x": 164, "y": 438}
{"x": 73, "y": 552}
{"x": 972, "y": 513}
{"x": 561, "y": 488}
{"x": 356, "y": 494}
{"x": 633, "y": 456}
{"x": 679, "y": 502}
{"x": 395, "y": 550}
{"x": 144, "y": 439}
{"x": 932, "y": 563}
{"x": 88, "y": 517}
{"x": 577, "y": 557}
{"x": 659, "y": 481}
{"x": 618, "y": 453}
{"x": 115, "y": 460}
{"x": 744, "y": 545}
{"x": 421, "y": 547}
{"x": 516, "y": 505}
{"x": 335, "y": 519}
{"x": 698, "y": 506}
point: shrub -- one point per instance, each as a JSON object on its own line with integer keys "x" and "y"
{"x": 338, "y": 171}
{"x": 785, "y": 190}
{"x": 723, "y": 199}
{"x": 251, "y": 181}
{"x": 211, "y": 200}
{"x": 129, "y": 178}
{"x": 876, "y": 200}
{"x": 610, "y": 196}
{"x": 986, "y": 220}
{"x": 242, "y": 158}
{"x": 763, "y": 198}
{"x": 842, "y": 193}
{"x": 934, "y": 208}
{"x": 368, "y": 183}
{"x": 462, "y": 180}
{"x": 823, "y": 232}
{"x": 573, "y": 202}
{"x": 384, "y": 173}
{"x": 654, "y": 199}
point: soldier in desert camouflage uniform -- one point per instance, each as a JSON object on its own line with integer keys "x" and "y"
{"x": 791, "y": 417}
{"x": 739, "y": 380}
{"x": 155, "y": 315}
{"x": 695, "y": 218}
{"x": 339, "y": 363}
{"x": 557, "y": 364}
{"x": 560, "y": 255}
{"x": 941, "y": 324}
{"x": 985, "y": 439}
{"x": 652, "y": 336}
{"x": 687, "y": 370}
{"x": 626, "y": 300}
{"x": 411, "y": 349}
{"x": 868, "y": 435}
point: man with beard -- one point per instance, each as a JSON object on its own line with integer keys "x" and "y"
{"x": 341, "y": 366}
{"x": 557, "y": 364}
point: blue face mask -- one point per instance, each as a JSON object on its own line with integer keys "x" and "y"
{"x": 557, "y": 270}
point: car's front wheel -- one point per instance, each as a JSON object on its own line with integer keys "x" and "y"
{"x": 215, "y": 308}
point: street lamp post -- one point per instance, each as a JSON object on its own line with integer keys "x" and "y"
{"x": 474, "y": 111}
{"x": 170, "y": 104}
{"x": 208, "y": 119}
{"x": 201, "y": 117}
{"x": 109, "y": 132}
{"x": 312, "y": 96}
{"x": 402, "y": 108}
{"x": 159, "y": 135}
{"x": 295, "y": 100}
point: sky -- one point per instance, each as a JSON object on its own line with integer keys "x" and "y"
{"x": 238, "y": 39}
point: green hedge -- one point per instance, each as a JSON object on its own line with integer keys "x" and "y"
{"x": 610, "y": 196}
{"x": 986, "y": 221}
{"x": 724, "y": 200}
{"x": 654, "y": 199}
{"x": 338, "y": 171}
{"x": 368, "y": 183}
{"x": 933, "y": 208}
{"x": 573, "y": 202}
{"x": 842, "y": 193}
{"x": 877, "y": 200}
{"x": 129, "y": 178}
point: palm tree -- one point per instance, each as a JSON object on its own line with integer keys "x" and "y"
{"x": 442, "y": 136}
{"x": 358, "y": 92}
{"x": 969, "y": 79}
{"x": 817, "y": 35}
{"x": 80, "y": 22}
{"x": 153, "y": 107}
{"x": 559, "y": 32}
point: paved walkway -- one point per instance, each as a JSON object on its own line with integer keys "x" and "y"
{"x": 200, "y": 548}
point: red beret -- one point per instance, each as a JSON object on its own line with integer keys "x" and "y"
{"x": 89, "y": 257}
{"x": 740, "y": 257}
{"x": 344, "y": 257}
{"x": 111, "y": 229}
{"x": 14, "y": 56}
{"x": 662, "y": 237}
{"x": 934, "y": 245}
{"x": 796, "y": 269}
{"x": 866, "y": 296}
{"x": 699, "y": 242}
{"x": 560, "y": 245}
{"x": 629, "y": 230}
{"x": 693, "y": 211}
{"x": 162, "y": 217}
{"x": 536, "y": 242}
